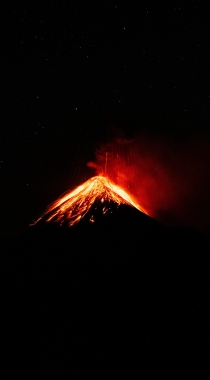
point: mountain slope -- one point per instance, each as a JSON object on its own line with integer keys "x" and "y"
{"x": 98, "y": 195}
{"x": 120, "y": 296}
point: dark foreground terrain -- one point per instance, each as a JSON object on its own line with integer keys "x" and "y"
{"x": 122, "y": 297}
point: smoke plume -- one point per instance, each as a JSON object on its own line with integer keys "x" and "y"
{"x": 169, "y": 179}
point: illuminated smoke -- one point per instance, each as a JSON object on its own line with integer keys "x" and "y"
{"x": 169, "y": 179}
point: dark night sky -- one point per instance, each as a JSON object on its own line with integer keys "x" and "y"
{"x": 71, "y": 72}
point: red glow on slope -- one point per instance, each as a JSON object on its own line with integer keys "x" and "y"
{"x": 74, "y": 205}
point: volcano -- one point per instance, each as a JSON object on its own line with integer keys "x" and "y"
{"x": 96, "y": 197}
{"x": 97, "y": 288}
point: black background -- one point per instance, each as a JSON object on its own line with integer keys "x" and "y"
{"x": 70, "y": 71}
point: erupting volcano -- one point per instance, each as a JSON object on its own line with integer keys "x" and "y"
{"x": 97, "y": 196}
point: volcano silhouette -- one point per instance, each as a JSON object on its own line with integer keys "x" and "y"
{"x": 96, "y": 288}
{"x": 90, "y": 201}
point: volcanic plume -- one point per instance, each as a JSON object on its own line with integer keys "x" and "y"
{"x": 169, "y": 178}
{"x": 96, "y": 196}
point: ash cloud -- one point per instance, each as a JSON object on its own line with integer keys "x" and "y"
{"x": 169, "y": 178}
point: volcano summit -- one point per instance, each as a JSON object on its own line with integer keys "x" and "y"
{"x": 97, "y": 196}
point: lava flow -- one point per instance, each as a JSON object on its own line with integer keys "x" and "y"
{"x": 74, "y": 205}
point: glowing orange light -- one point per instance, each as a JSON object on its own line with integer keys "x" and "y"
{"x": 75, "y": 204}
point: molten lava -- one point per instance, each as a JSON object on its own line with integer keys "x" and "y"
{"x": 74, "y": 205}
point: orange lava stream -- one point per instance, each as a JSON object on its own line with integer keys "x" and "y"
{"x": 75, "y": 204}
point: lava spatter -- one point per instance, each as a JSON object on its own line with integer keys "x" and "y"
{"x": 96, "y": 193}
